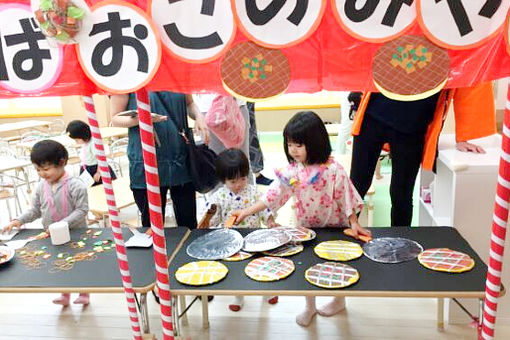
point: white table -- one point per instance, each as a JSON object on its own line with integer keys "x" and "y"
{"x": 65, "y": 140}
{"x": 97, "y": 198}
{"x": 109, "y": 132}
{"x": 23, "y": 125}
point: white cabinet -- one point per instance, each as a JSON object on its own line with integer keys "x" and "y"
{"x": 463, "y": 197}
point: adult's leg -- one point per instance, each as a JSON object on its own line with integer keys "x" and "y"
{"x": 366, "y": 149}
{"x": 256, "y": 158}
{"x": 185, "y": 205}
{"x": 406, "y": 155}
{"x": 140, "y": 196}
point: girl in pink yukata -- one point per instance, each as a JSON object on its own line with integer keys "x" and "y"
{"x": 324, "y": 195}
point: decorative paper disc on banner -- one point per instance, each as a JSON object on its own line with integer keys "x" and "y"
{"x": 6, "y": 254}
{"x": 269, "y": 269}
{"x": 28, "y": 63}
{"x": 252, "y": 72}
{"x": 392, "y": 249}
{"x": 288, "y": 249}
{"x": 374, "y": 21}
{"x": 239, "y": 256}
{"x": 216, "y": 245}
{"x": 338, "y": 250}
{"x": 446, "y": 260}
{"x": 277, "y": 24}
{"x": 331, "y": 275}
{"x": 457, "y": 24}
{"x": 201, "y": 273}
{"x": 121, "y": 52}
{"x": 410, "y": 68}
{"x": 187, "y": 40}
{"x": 298, "y": 234}
{"x": 265, "y": 239}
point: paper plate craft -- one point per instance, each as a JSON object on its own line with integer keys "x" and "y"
{"x": 253, "y": 72}
{"x": 331, "y": 275}
{"x": 216, "y": 245}
{"x": 350, "y": 233}
{"x": 338, "y": 250}
{"x": 298, "y": 234}
{"x": 265, "y": 239}
{"x": 446, "y": 260}
{"x": 201, "y": 273}
{"x": 392, "y": 249}
{"x": 239, "y": 256}
{"x": 6, "y": 254}
{"x": 288, "y": 249}
{"x": 269, "y": 269}
{"x": 410, "y": 68}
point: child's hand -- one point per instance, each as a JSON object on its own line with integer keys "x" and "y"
{"x": 271, "y": 223}
{"x": 13, "y": 224}
{"x": 240, "y": 216}
{"x": 357, "y": 230}
{"x": 97, "y": 177}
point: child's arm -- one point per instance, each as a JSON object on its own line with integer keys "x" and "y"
{"x": 14, "y": 224}
{"x": 242, "y": 214}
{"x": 35, "y": 210}
{"x": 78, "y": 195}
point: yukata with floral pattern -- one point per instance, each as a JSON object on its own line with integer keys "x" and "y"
{"x": 324, "y": 194}
{"x": 227, "y": 202}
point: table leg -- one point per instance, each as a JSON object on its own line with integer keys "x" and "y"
{"x": 182, "y": 307}
{"x": 144, "y": 313}
{"x": 440, "y": 314}
{"x": 175, "y": 315}
{"x": 205, "y": 312}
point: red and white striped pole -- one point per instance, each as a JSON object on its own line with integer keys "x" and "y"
{"x": 154, "y": 197}
{"x": 498, "y": 235}
{"x": 114, "y": 216}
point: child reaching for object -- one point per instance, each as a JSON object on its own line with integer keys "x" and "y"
{"x": 58, "y": 197}
{"x": 232, "y": 168}
{"x": 324, "y": 195}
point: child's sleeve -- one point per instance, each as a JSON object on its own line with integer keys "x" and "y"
{"x": 349, "y": 201}
{"x": 34, "y": 212}
{"x": 266, "y": 213}
{"x": 78, "y": 195}
{"x": 277, "y": 195}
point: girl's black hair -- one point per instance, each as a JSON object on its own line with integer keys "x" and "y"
{"x": 49, "y": 152}
{"x": 79, "y": 129}
{"x": 307, "y": 128}
{"x": 232, "y": 164}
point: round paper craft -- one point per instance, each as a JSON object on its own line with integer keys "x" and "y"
{"x": 288, "y": 249}
{"x": 299, "y": 234}
{"x": 239, "y": 256}
{"x": 6, "y": 254}
{"x": 253, "y": 72}
{"x": 410, "y": 68}
{"x": 201, "y": 273}
{"x": 392, "y": 249}
{"x": 338, "y": 250}
{"x": 265, "y": 239}
{"x": 269, "y": 269}
{"x": 331, "y": 275}
{"x": 216, "y": 245}
{"x": 446, "y": 260}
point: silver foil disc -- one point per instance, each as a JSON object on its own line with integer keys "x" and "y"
{"x": 392, "y": 249}
{"x": 265, "y": 239}
{"x": 216, "y": 245}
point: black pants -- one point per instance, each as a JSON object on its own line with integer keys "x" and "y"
{"x": 92, "y": 169}
{"x": 406, "y": 153}
{"x": 184, "y": 203}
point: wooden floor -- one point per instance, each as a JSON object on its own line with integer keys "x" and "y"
{"x": 33, "y": 316}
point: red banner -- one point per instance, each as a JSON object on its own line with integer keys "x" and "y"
{"x": 326, "y": 52}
